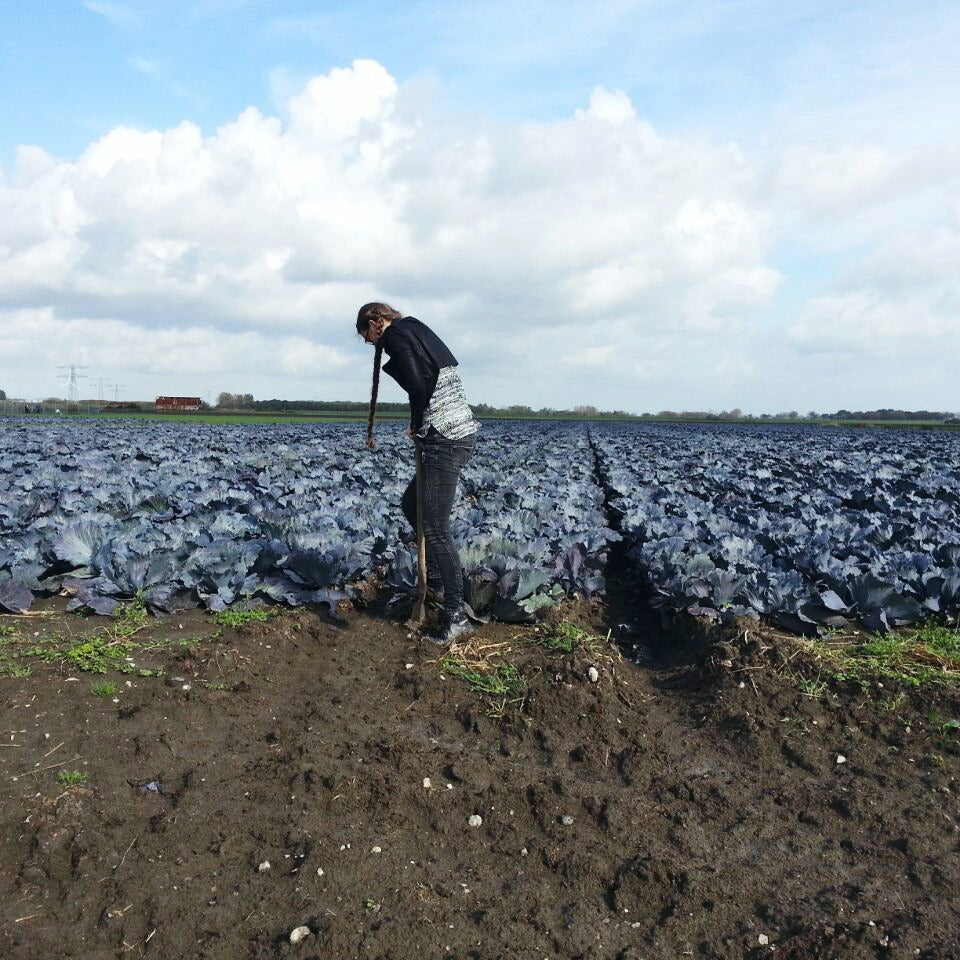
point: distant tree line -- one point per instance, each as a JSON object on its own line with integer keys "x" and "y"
{"x": 479, "y": 409}
{"x": 332, "y": 406}
{"x": 245, "y": 401}
{"x": 737, "y": 414}
{"x": 885, "y": 414}
{"x": 236, "y": 401}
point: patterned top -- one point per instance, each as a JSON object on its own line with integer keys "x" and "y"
{"x": 448, "y": 412}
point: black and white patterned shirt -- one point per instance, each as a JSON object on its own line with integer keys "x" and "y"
{"x": 448, "y": 412}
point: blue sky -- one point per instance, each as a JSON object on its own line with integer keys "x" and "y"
{"x": 763, "y": 196}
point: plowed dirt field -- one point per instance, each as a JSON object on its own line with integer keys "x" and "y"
{"x": 697, "y": 804}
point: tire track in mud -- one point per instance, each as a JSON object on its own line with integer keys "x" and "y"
{"x": 646, "y": 635}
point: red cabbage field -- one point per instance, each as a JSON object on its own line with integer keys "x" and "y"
{"x": 713, "y": 711}
{"x": 806, "y": 528}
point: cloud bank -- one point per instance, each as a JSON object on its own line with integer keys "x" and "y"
{"x": 589, "y": 259}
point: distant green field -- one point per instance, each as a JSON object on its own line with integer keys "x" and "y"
{"x": 355, "y": 416}
{"x": 346, "y": 416}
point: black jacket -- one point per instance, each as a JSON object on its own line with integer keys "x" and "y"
{"x": 416, "y": 356}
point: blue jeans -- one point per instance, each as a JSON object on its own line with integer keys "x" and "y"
{"x": 443, "y": 460}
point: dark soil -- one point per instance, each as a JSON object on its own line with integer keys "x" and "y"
{"x": 710, "y": 815}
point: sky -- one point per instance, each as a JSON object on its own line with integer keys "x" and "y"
{"x": 641, "y": 205}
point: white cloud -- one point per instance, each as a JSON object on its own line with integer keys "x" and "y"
{"x": 612, "y": 106}
{"x": 865, "y": 322}
{"x": 120, "y": 348}
{"x": 281, "y": 226}
{"x": 639, "y": 265}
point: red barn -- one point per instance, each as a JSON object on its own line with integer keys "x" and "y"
{"x": 177, "y": 403}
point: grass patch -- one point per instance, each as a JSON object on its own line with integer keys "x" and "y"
{"x": 482, "y": 668}
{"x": 106, "y": 648}
{"x": 565, "y": 637}
{"x": 16, "y": 670}
{"x": 97, "y": 655}
{"x": 503, "y": 679}
{"x": 940, "y": 640}
{"x": 811, "y": 686}
{"x": 929, "y": 654}
{"x": 130, "y": 617}
{"x": 237, "y": 618}
{"x": 105, "y": 689}
{"x": 72, "y": 778}
{"x": 942, "y": 726}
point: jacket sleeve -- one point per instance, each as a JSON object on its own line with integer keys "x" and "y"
{"x": 405, "y": 369}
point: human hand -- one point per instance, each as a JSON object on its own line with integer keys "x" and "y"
{"x": 408, "y": 432}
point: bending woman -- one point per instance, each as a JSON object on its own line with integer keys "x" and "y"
{"x": 442, "y": 425}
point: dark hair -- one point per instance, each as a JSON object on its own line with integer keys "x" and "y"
{"x": 368, "y": 312}
{"x": 375, "y": 311}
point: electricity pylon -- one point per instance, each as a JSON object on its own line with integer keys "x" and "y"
{"x": 72, "y": 381}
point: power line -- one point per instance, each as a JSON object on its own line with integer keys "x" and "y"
{"x": 72, "y": 381}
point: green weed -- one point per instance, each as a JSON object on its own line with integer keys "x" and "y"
{"x": 498, "y": 681}
{"x": 16, "y": 670}
{"x": 892, "y": 704}
{"x": 940, "y": 640}
{"x": 942, "y": 726}
{"x": 929, "y": 654}
{"x": 107, "y": 688}
{"x": 130, "y": 618}
{"x": 72, "y": 778}
{"x": 565, "y": 637}
{"x": 810, "y": 687}
{"x": 96, "y": 655}
{"x": 237, "y": 618}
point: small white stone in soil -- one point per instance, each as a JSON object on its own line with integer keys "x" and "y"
{"x": 567, "y": 820}
{"x": 476, "y": 820}
{"x": 593, "y": 674}
{"x": 300, "y": 933}
{"x": 408, "y": 666}
{"x": 763, "y": 939}
{"x": 524, "y": 852}
{"x": 319, "y": 871}
{"x": 426, "y": 783}
{"x": 841, "y": 758}
{"x": 264, "y": 867}
{"x": 376, "y": 850}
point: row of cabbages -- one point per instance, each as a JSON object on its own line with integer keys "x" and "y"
{"x": 186, "y": 514}
{"x": 809, "y": 527}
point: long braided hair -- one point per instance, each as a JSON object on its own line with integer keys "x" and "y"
{"x": 367, "y": 313}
